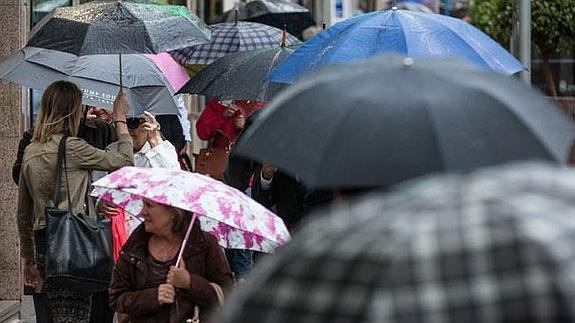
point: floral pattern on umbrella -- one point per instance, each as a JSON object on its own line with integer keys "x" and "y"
{"x": 235, "y": 219}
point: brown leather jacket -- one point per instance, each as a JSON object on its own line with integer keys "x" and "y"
{"x": 134, "y": 287}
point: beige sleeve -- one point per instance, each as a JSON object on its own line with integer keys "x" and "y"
{"x": 89, "y": 157}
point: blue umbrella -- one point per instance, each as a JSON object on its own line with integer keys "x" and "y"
{"x": 403, "y": 32}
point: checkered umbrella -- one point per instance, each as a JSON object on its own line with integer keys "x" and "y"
{"x": 232, "y": 37}
{"x": 497, "y": 245}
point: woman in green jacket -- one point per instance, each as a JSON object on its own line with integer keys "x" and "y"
{"x": 60, "y": 114}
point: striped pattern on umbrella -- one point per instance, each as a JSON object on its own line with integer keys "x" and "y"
{"x": 232, "y": 37}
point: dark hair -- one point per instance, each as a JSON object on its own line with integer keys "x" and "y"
{"x": 182, "y": 219}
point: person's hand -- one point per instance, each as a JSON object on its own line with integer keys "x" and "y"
{"x": 185, "y": 149}
{"x": 108, "y": 209}
{"x": 90, "y": 114}
{"x": 230, "y": 110}
{"x": 240, "y": 121}
{"x": 179, "y": 277}
{"x": 120, "y": 108}
{"x": 31, "y": 275}
{"x": 152, "y": 126}
{"x": 166, "y": 294}
{"x": 268, "y": 171}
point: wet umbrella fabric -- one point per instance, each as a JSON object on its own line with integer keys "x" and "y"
{"x": 240, "y": 76}
{"x": 233, "y": 37}
{"x": 389, "y": 119}
{"x": 403, "y": 32}
{"x": 119, "y": 27}
{"x": 413, "y": 6}
{"x": 479, "y": 248}
{"x": 276, "y": 13}
{"x": 98, "y": 77}
{"x": 236, "y": 220}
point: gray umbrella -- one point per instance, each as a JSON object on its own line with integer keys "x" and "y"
{"x": 97, "y": 75}
{"x": 239, "y": 76}
{"x": 495, "y": 246}
{"x": 389, "y": 119}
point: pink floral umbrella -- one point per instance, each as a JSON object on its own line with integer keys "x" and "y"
{"x": 235, "y": 219}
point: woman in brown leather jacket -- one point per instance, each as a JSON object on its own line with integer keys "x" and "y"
{"x": 145, "y": 284}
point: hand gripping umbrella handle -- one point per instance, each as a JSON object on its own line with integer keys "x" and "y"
{"x": 185, "y": 241}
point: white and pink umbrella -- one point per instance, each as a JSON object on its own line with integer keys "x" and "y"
{"x": 234, "y": 218}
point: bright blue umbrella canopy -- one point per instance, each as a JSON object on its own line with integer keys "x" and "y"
{"x": 402, "y": 32}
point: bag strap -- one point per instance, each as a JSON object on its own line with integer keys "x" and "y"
{"x": 219, "y": 292}
{"x": 62, "y": 164}
{"x": 225, "y": 135}
{"x": 58, "y": 177}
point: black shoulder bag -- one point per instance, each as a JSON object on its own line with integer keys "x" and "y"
{"x": 79, "y": 247}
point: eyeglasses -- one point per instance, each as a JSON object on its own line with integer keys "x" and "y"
{"x": 134, "y": 123}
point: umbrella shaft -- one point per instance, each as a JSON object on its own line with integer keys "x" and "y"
{"x": 120, "y": 61}
{"x": 185, "y": 241}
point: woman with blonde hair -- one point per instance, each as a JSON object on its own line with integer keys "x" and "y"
{"x": 60, "y": 116}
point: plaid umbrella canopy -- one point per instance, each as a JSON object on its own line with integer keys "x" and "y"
{"x": 497, "y": 245}
{"x": 233, "y": 37}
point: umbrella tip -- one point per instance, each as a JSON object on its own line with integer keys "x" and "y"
{"x": 408, "y": 62}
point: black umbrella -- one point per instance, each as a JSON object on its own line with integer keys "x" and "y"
{"x": 496, "y": 246}
{"x": 276, "y": 13}
{"x": 389, "y": 119}
{"x": 119, "y": 27}
{"x": 240, "y": 76}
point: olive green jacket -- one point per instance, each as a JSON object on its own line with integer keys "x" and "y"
{"x": 37, "y": 176}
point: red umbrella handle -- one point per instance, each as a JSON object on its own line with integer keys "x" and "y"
{"x": 186, "y": 239}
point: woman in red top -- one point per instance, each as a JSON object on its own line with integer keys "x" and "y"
{"x": 226, "y": 116}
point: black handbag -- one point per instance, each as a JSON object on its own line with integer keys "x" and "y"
{"x": 79, "y": 247}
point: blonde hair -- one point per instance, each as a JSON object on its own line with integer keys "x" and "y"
{"x": 60, "y": 111}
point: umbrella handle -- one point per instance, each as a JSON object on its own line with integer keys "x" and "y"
{"x": 185, "y": 241}
{"x": 120, "y": 60}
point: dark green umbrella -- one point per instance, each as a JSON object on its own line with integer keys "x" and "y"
{"x": 119, "y": 28}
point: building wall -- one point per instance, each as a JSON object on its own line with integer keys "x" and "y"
{"x": 13, "y": 30}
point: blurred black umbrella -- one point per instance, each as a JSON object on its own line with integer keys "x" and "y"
{"x": 119, "y": 27}
{"x": 477, "y": 248}
{"x": 389, "y": 119}
{"x": 276, "y": 13}
{"x": 239, "y": 76}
